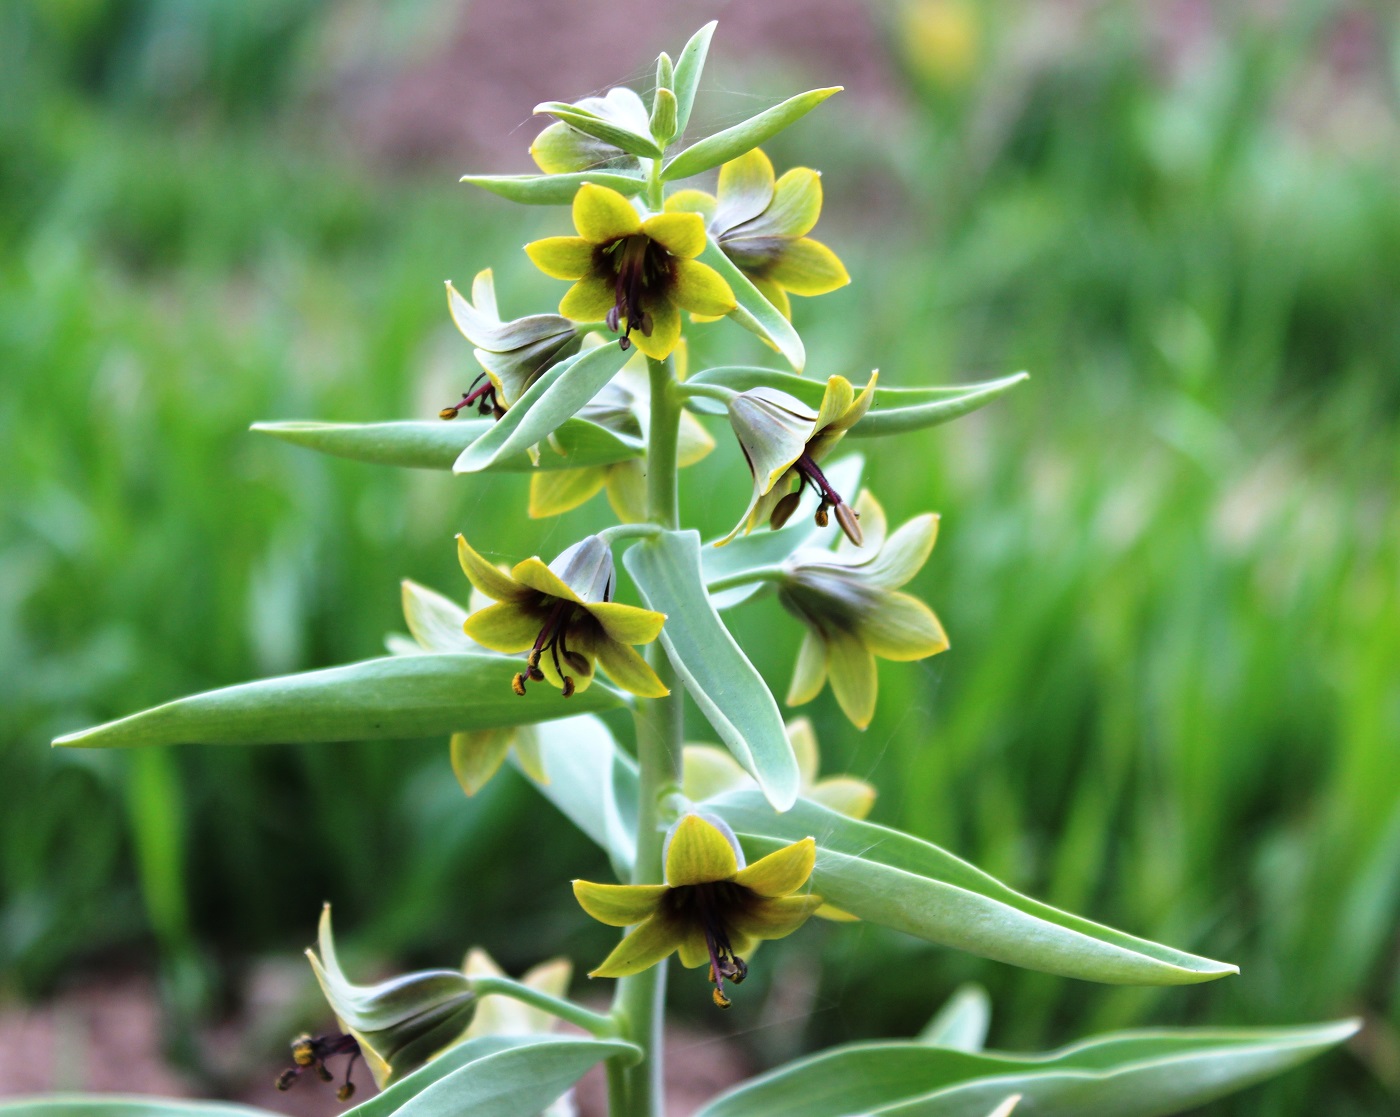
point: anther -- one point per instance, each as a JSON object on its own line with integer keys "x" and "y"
{"x": 783, "y": 510}
{"x": 517, "y": 684}
{"x": 721, "y": 1001}
{"x": 848, "y": 518}
{"x": 568, "y": 688}
{"x": 821, "y": 516}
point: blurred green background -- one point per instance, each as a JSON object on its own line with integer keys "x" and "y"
{"x": 1169, "y": 565}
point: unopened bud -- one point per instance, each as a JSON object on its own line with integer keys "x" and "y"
{"x": 663, "y": 116}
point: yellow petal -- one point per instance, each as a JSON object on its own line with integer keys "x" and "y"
{"x": 845, "y": 795}
{"x": 561, "y": 257}
{"x": 602, "y": 216}
{"x": 836, "y": 915}
{"x": 853, "y": 677}
{"x": 553, "y": 491}
{"x": 691, "y": 201}
{"x": 803, "y": 739}
{"x": 527, "y": 752}
{"x": 507, "y": 627}
{"x": 702, "y": 289}
{"x": 627, "y": 489}
{"x": 809, "y": 672}
{"x": 534, "y": 574}
{"x": 836, "y": 401}
{"x": 580, "y": 674}
{"x": 589, "y": 300}
{"x": 796, "y": 204}
{"x": 772, "y": 918}
{"x": 495, "y": 584}
{"x": 625, "y": 667}
{"x": 694, "y": 950}
{"x": 699, "y": 853}
{"x": 901, "y": 628}
{"x": 707, "y": 771}
{"x": 643, "y": 948}
{"x": 627, "y": 624}
{"x": 808, "y": 267}
{"x": 745, "y": 189}
{"x": 665, "y": 331}
{"x": 477, "y": 756}
{"x": 695, "y": 441}
{"x": 782, "y": 872}
{"x": 619, "y": 905}
{"x": 680, "y": 234}
{"x": 774, "y": 294}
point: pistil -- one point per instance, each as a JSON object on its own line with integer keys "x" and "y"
{"x": 483, "y": 395}
{"x": 629, "y": 289}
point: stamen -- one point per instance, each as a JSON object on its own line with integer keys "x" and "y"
{"x": 552, "y": 639}
{"x": 482, "y": 395}
{"x": 634, "y": 265}
{"x": 725, "y": 965}
{"x": 846, "y": 516}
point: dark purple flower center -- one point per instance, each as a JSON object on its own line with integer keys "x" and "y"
{"x": 641, "y": 269}
{"x": 708, "y": 904}
{"x": 311, "y": 1052}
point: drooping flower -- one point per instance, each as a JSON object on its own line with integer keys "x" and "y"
{"x": 309, "y": 1053}
{"x": 562, "y": 149}
{"x": 634, "y": 274}
{"x": 514, "y": 354}
{"x": 784, "y": 444}
{"x": 399, "y": 1024}
{"x": 708, "y": 770}
{"x": 761, "y": 223}
{"x": 712, "y": 908}
{"x": 623, "y": 406}
{"x": 850, "y": 603}
{"x": 564, "y": 617}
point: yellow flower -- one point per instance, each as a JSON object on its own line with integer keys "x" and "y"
{"x": 635, "y": 274}
{"x": 712, "y": 908}
{"x": 849, "y": 602}
{"x": 762, "y": 224}
{"x": 563, "y": 616}
{"x": 784, "y": 443}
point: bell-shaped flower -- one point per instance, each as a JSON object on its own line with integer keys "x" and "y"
{"x": 761, "y": 223}
{"x": 712, "y": 909}
{"x": 563, "y": 617}
{"x": 399, "y": 1024}
{"x": 514, "y": 354}
{"x": 784, "y": 444}
{"x": 562, "y": 149}
{"x": 850, "y": 603}
{"x": 623, "y": 406}
{"x": 708, "y": 770}
{"x": 635, "y": 274}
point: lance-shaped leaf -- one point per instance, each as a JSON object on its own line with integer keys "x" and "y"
{"x": 733, "y": 142}
{"x": 724, "y": 684}
{"x": 492, "y": 1076}
{"x": 689, "y": 66}
{"x": 884, "y": 876}
{"x": 592, "y": 782}
{"x": 380, "y": 699}
{"x": 764, "y": 549}
{"x": 553, "y": 190}
{"x": 894, "y": 410}
{"x": 1127, "y": 1074}
{"x": 107, "y": 1105}
{"x": 544, "y": 408}
{"x": 962, "y": 1022}
{"x": 754, "y": 312}
{"x": 435, "y": 444}
{"x": 601, "y": 127}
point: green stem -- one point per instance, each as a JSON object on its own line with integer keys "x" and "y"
{"x": 595, "y": 1023}
{"x": 640, "y": 1000}
{"x": 656, "y": 189}
{"x": 746, "y": 577}
{"x": 709, "y": 391}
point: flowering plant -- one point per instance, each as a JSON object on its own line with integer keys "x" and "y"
{"x": 715, "y": 847}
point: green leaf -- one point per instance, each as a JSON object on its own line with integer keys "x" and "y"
{"x": 765, "y": 547}
{"x": 379, "y": 699}
{"x": 899, "y": 881}
{"x": 689, "y": 67}
{"x": 544, "y": 408}
{"x": 554, "y": 190}
{"x": 962, "y": 1022}
{"x": 495, "y": 1076}
{"x": 1126, "y": 1074}
{"x": 755, "y": 313}
{"x": 894, "y": 410}
{"x": 602, "y": 128}
{"x": 107, "y": 1105}
{"x": 724, "y": 684}
{"x": 733, "y": 142}
{"x": 436, "y": 444}
{"x": 593, "y": 783}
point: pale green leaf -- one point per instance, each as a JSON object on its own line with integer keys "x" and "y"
{"x": 544, "y": 408}
{"x": 745, "y": 136}
{"x": 689, "y": 66}
{"x": 1127, "y": 1074}
{"x": 724, "y": 684}
{"x": 554, "y": 190}
{"x": 602, "y": 127}
{"x": 379, "y": 699}
{"x": 894, "y": 410}
{"x": 962, "y": 1022}
{"x": 754, "y": 312}
{"x": 117, "y": 1105}
{"x": 899, "y": 881}
{"x": 437, "y": 444}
